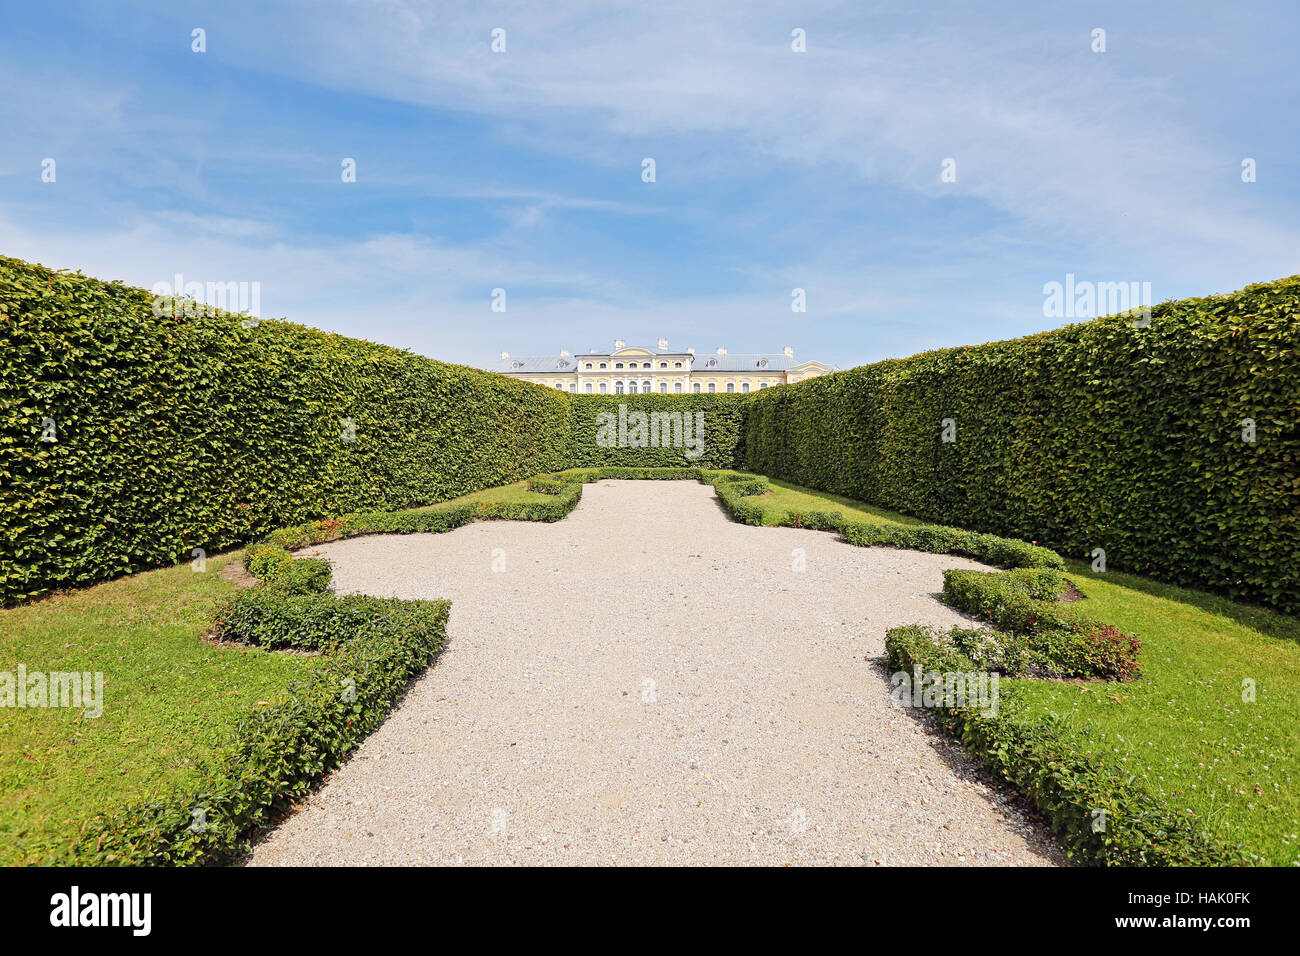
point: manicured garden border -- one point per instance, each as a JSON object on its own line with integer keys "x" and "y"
{"x": 371, "y": 648}
{"x": 1099, "y": 814}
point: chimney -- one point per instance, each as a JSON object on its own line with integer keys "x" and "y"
{"x": 789, "y": 351}
{"x": 619, "y": 343}
{"x": 505, "y": 355}
{"x": 691, "y": 350}
{"x": 722, "y": 351}
{"x": 663, "y": 345}
{"x": 565, "y": 353}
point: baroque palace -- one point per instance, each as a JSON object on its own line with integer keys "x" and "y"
{"x": 631, "y": 369}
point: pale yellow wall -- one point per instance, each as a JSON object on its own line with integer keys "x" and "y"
{"x": 576, "y": 381}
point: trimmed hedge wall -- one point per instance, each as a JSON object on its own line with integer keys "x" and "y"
{"x": 1096, "y": 435}
{"x": 177, "y": 433}
{"x": 723, "y": 434}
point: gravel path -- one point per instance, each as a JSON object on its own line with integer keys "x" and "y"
{"x": 648, "y": 682}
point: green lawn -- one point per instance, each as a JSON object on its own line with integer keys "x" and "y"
{"x": 169, "y": 698}
{"x": 785, "y": 497}
{"x": 1183, "y": 729}
{"x": 516, "y": 493}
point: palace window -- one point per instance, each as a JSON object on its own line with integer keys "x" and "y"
{"x": 696, "y": 388}
{"x": 713, "y": 386}
{"x": 588, "y": 366}
{"x": 677, "y": 387}
{"x": 618, "y": 365}
{"x": 663, "y": 388}
{"x": 603, "y": 365}
{"x": 663, "y": 364}
{"x": 731, "y": 386}
{"x": 677, "y": 365}
{"x": 589, "y": 388}
{"x": 603, "y": 388}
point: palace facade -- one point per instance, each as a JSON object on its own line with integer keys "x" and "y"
{"x": 632, "y": 369}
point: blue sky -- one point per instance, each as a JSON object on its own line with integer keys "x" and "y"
{"x": 775, "y": 170}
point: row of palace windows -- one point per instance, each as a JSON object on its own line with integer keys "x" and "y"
{"x": 631, "y": 387}
{"x": 633, "y": 365}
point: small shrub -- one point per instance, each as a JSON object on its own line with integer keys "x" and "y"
{"x": 547, "y": 485}
{"x": 1060, "y": 639}
{"x": 560, "y": 504}
{"x": 1041, "y": 758}
{"x": 278, "y": 568}
{"x": 814, "y": 520}
{"x": 277, "y": 619}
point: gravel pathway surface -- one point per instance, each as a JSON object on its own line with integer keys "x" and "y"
{"x": 648, "y": 682}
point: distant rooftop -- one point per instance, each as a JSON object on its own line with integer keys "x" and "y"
{"x": 718, "y": 361}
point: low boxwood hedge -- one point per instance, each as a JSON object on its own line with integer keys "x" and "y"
{"x": 560, "y": 502}
{"x": 277, "y": 567}
{"x": 547, "y": 484}
{"x": 428, "y": 520}
{"x": 738, "y": 504}
{"x": 1099, "y": 813}
{"x": 938, "y": 539}
{"x": 373, "y": 649}
{"x": 1059, "y": 640}
{"x": 276, "y": 619}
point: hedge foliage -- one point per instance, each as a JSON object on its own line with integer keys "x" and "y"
{"x": 1042, "y": 760}
{"x": 373, "y": 648}
{"x": 425, "y": 520}
{"x": 722, "y": 418}
{"x": 277, "y": 567}
{"x": 177, "y": 433}
{"x": 1097, "y": 435}
{"x": 1042, "y": 636}
{"x": 940, "y": 539}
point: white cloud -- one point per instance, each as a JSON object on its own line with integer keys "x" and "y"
{"x": 1041, "y": 127}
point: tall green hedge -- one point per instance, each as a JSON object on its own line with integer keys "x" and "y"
{"x": 198, "y": 432}
{"x": 722, "y": 417}
{"x": 179, "y": 433}
{"x": 1097, "y": 435}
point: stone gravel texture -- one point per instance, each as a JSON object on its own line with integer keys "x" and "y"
{"x": 648, "y": 682}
